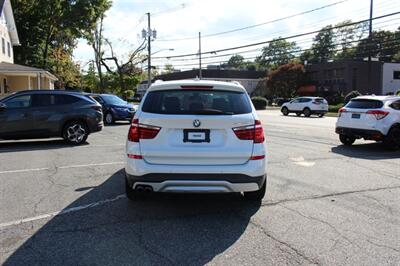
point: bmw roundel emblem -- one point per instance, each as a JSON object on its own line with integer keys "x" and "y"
{"x": 196, "y": 123}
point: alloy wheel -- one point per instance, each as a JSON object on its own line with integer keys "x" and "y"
{"x": 76, "y": 133}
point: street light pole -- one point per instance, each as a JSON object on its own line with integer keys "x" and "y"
{"x": 371, "y": 8}
{"x": 149, "y": 51}
{"x": 200, "y": 71}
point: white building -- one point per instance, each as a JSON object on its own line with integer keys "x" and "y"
{"x": 248, "y": 78}
{"x": 390, "y": 78}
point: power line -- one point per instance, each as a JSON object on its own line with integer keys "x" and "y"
{"x": 282, "y": 38}
{"x": 257, "y": 25}
{"x": 326, "y": 21}
{"x": 308, "y": 49}
{"x": 308, "y": 40}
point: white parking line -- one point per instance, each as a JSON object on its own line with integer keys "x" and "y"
{"x": 58, "y": 213}
{"x": 88, "y": 165}
{"x": 60, "y": 167}
{"x": 24, "y": 170}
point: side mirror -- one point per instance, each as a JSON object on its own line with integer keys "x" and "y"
{"x": 3, "y": 106}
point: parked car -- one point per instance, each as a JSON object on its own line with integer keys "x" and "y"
{"x": 114, "y": 108}
{"x": 371, "y": 118}
{"x": 196, "y": 137}
{"x": 307, "y": 106}
{"x": 48, "y": 113}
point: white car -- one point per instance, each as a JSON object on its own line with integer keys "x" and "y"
{"x": 306, "y": 105}
{"x": 196, "y": 136}
{"x": 371, "y": 118}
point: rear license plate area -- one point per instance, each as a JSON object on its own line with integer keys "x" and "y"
{"x": 196, "y": 135}
{"x": 355, "y": 116}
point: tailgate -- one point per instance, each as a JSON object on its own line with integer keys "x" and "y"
{"x": 196, "y": 139}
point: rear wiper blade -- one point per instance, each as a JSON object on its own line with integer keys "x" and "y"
{"x": 212, "y": 112}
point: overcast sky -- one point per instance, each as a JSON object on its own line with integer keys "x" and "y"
{"x": 175, "y": 19}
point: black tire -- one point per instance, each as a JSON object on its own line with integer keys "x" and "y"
{"x": 109, "y": 118}
{"x": 321, "y": 115}
{"x": 257, "y": 195}
{"x": 346, "y": 139}
{"x": 132, "y": 194}
{"x": 75, "y": 132}
{"x": 285, "y": 111}
{"x": 392, "y": 140}
{"x": 307, "y": 112}
{"x": 298, "y": 114}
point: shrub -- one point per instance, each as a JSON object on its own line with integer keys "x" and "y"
{"x": 351, "y": 95}
{"x": 398, "y": 93}
{"x": 335, "y": 108}
{"x": 259, "y": 102}
{"x": 128, "y": 94}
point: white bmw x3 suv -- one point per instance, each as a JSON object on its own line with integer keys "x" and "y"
{"x": 196, "y": 136}
{"x": 371, "y": 118}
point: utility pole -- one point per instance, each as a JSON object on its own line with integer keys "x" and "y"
{"x": 200, "y": 72}
{"x": 149, "y": 34}
{"x": 371, "y": 9}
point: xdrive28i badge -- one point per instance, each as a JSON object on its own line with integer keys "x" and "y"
{"x": 196, "y": 123}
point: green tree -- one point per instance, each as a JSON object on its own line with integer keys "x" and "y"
{"x": 123, "y": 70}
{"x": 47, "y": 27}
{"x": 346, "y": 37}
{"x": 168, "y": 68}
{"x": 67, "y": 71}
{"x": 284, "y": 81}
{"x": 384, "y": 45}
{"x": 89, "y": 80}
{"x": 323, "y": 47}
{"x": 277, "y": 53}
{"x": 236, "y": 62}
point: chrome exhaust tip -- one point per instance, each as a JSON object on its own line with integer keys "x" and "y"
{"x": 148, "y": 189}
{"x": 139, "y": 188}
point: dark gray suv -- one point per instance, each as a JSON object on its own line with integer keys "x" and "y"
{"x": 48, "y": 113}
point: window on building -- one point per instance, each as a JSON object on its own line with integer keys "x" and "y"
{"x": 3, "y": 45}
{"x": 9, "y": 49}
{"x": 334, "y": 75}
{"x": 396, "y": 74}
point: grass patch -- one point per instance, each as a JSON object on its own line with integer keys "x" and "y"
{"x": 331, "y": 114}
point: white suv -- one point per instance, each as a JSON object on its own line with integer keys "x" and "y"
{"x": 196, "y": 136}
{"x": 371, "y": 118}
{"x": 306, "y": 105}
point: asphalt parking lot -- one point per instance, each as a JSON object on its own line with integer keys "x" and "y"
{"x": 326, "y": 204}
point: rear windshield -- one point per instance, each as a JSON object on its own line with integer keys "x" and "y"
{"x": 364, "y": 104}
{"x": 202, "y": 102}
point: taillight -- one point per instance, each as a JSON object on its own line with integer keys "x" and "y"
{"x": 257, "y": 157}
{"x": 342, "y": 110}
{"x": 139, "y": 131}
{"x": 252, "y": 132}
{"x": 135, "y": 156}
{"x": 379, "y": 114}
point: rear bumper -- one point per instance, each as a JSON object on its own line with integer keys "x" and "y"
{"x": 197, "y": 178}
{"x": 197, "y": 183}
{"x": 360, "y": 133}
{"x": 95, "y": 126}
